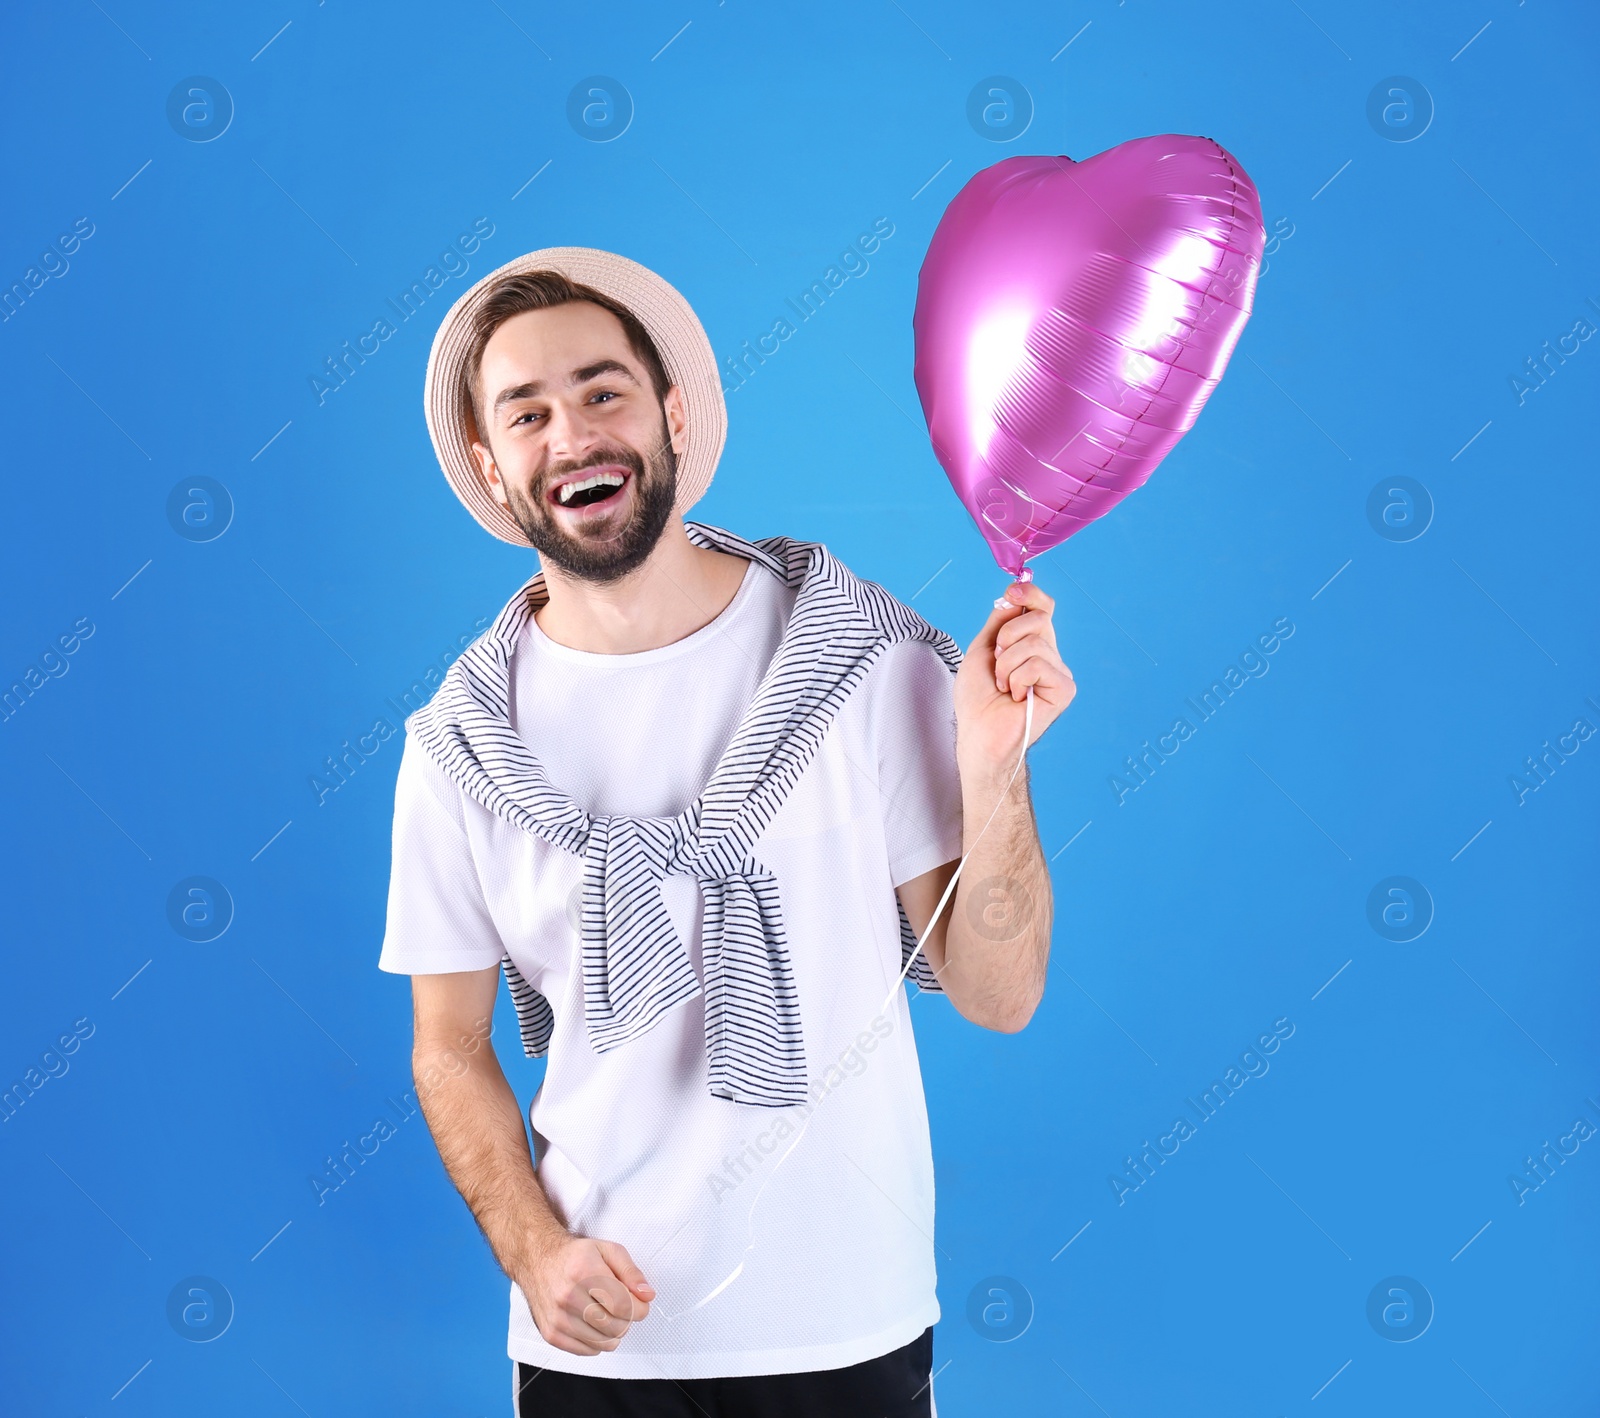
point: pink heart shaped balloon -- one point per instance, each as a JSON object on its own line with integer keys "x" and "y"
{"x": 1072, "y": 319}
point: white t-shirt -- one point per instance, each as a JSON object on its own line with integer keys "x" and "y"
{"x": 837, "y": 1257}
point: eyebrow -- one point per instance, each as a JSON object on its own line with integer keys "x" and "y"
{"x": 578, "y": 376}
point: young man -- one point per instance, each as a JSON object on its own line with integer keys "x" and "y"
{"x": 698, "y": 797}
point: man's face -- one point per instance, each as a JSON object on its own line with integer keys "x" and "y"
{"x": 565, "y": 401}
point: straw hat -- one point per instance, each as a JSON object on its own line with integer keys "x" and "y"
{"x": 667, "y": 317}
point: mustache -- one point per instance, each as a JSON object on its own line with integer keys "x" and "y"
{"x": 628, "y": 457}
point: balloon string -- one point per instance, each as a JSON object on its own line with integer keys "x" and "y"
{"x": 1027, "y": 734}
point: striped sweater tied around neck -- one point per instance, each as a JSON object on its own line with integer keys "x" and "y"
{"x": 634, "y": 966}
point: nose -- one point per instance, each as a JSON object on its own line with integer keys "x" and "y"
{"x": 570, "y": 432}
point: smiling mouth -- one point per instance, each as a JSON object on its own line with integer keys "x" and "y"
{"x": 594, "y": 489}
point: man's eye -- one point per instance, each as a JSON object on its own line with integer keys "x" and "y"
{"x": 604, "y": 393}
{"x": 519, "y": 418}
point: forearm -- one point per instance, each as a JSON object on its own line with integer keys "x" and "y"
{"x": 997, "y": 943}
{"x": 477, "y": 1126}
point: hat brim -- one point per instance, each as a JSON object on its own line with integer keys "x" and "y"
{"x": 667, "y": 317}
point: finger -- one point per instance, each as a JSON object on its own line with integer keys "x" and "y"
{"x": 985, "y": 638}
{"x": 1030, "y": 622}
{"x": 1008, "y": 657}
{"x": 984, "y": 653}
{"x": 623, "y": 1267}
{"x": 585, "y": 1319}
{"x": 1045, "y": 675}
{"x": 604, "y": 1303}
{"x": 576, "y": 1337}
{"x": 599, "y": 1319}
{"x": 1030, "y": 595}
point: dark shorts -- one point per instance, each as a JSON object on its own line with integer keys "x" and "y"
{"x": 896, "y": 1385}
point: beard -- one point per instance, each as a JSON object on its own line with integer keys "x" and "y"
{"x": 605, "y": 556}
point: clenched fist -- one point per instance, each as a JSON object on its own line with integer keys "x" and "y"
{"x": 584, "y": 1294}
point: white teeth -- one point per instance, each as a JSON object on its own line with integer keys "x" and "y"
{"x": 568, "y": 490}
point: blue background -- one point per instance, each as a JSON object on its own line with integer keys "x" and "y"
{"x": 1227, "y": 893}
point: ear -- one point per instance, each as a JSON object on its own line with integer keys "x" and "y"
{"x": 677, "y": 419}
{"x": 489, "y": 472}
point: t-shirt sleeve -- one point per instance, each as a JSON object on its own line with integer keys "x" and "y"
{"x": 438, "y": 921}
{"x": 914, "y": 726}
